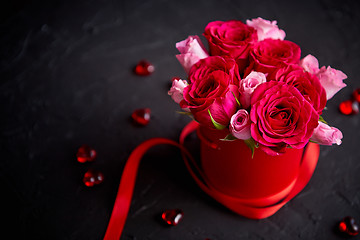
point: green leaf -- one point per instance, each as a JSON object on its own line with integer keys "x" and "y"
{"x": 217, "y": 125}
{"x": 229, "y": 137}
{"x": 252, "y": 145}
{"x": 321, "y": 119}
{"x": 236, "y": 98}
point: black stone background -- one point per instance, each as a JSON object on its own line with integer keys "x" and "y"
{"x": 66, "y": 80}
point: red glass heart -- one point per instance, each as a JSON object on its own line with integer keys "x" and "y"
{"x": 349, "y": 226}
{"x": 85, "y": 154}
{"x": 355, "y": 107}
{"x": 141, "y": 116}
{"x": 346, "y": 107}
{"x": 172, "y": 217}
{"x": 356, "y": 95}
{"x": 144, "y": 68}
{"x": 99, "y": 177}
{"x": 342, "y": 227}
{"x": 92, "y": 178}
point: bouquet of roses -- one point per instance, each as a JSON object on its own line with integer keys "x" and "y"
{"x": 255, "y": 84}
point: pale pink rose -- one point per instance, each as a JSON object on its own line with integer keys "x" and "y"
{"x": 177, "y": 89}
{"x": 240, "y": 125}
{"x": 192, "y": 50}
{"x": 248, "y": 85}
{"x": 326, "y": 135}
{"x": 331, "y": 80}
{"x": 310, "y": 64}
{"x": 266, "y": 29}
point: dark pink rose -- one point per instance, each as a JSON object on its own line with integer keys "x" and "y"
{"x": 308, "y": 84}
{"x": 211, "y": 89}
{"x": 281, "y": 117}
{"x": 231, "y": 38}
{"x": 208, "y": 65}
{"x": 269, "y": 55}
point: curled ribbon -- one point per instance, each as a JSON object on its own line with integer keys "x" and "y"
{"x": 250, "y": 208}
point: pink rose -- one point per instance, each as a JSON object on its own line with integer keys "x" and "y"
{"x": 240, "y": 125}
{"x": 248, "y": 85}
{"x": 308, "y": 85}
{"x": 326, "y": 135}
{"x": 177, "y": 89}
{"x": 269, "y": 55}
{"x": 192, "y": 50}
{"x": 310, "y": 64}
{"x": 266, "y": 29}
{"x": 212, "y": 89}
{"x": 215, "y": 63}
{"x": 281, "y": 117}
{"x": 231, "y": 38}
{"x": 332, "y": 80}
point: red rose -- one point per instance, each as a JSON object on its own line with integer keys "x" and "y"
{"x": 212, "y": 89}
{"x": 269, "y": 55}
{"x": 308, "y": 85}
{"x": 231, "y": 38}
{"x": 281, "y": 117}
{"x": 215, "y": 63}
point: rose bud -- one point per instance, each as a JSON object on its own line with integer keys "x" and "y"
{"x": 248, "y": 85}
{"x": 192, "y": 50}
{"x": 326, "y": 135}
{"x": 240, "y": 125}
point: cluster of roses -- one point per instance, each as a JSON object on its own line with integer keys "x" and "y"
{"x": 253, "y": 83}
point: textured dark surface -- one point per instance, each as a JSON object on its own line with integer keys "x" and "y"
{"x": 66, "y": 80}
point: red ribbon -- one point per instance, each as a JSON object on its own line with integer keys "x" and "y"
{"x": 251, "y": 208}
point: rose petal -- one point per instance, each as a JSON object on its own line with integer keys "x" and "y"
{"x": 332, "y": 80}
